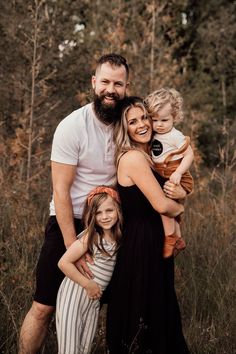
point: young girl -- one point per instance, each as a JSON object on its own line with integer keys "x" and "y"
{"x": 77, "y": 307}
{"x": 171, "y": 153}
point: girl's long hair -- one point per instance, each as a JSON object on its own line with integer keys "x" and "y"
{"x": 122, "y": 141}
{"x": 95, "y": 233}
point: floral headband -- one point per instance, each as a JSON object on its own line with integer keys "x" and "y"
{"x": 103, "y": 189}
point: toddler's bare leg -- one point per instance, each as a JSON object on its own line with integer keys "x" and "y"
{"x": 168, "y": 225}
{"x": 177, "y": 229}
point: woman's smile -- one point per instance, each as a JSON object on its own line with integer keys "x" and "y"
{"x": 139, "y": 125}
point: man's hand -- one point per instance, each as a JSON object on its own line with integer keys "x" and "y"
{"x": 93, "y": 290}
{"x": 82, "y": 266}
{"x": 174, "y": 191}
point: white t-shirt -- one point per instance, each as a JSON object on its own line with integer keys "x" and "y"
{"x": 82, "y": 140}
{"x": 163, "y": 144}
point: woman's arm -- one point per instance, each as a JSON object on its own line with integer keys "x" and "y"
{"x": 67, "y": 266}
{"x": 135, "y": 169}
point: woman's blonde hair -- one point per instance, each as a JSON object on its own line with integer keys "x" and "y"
{"x": 123, "y": 143}
{"x": 159, "y": 98}
{"x": 95, "y": 232}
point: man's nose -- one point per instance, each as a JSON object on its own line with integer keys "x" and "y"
{"x": 111, "y": 87}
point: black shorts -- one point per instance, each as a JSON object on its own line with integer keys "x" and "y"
{"x": 48, "y": 275}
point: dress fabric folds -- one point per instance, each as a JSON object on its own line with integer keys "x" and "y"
{"x": 143, "y": 313}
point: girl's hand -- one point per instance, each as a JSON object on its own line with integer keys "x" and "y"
{"x": 94, "y": 291}
{"x": 173, "y": 191}
{"x": 175, "y": 177}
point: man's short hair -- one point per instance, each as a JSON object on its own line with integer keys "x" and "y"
{"x": 113, "y": 59}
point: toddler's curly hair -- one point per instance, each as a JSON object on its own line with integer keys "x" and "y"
{"x": 159, "y": 98}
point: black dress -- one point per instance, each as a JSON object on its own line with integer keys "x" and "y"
{"x": 143, "y": 314}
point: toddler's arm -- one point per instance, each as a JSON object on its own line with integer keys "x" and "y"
{"x": 185, "y": 164}
{"x": 68, "y": 267}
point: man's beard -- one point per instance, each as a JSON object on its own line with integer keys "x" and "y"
{"x": 107, "y": 113}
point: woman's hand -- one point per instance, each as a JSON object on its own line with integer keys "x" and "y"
{"x": 82, "y": 266}
{"x": 174, "y": 191}
{"x": 94, "y": 291}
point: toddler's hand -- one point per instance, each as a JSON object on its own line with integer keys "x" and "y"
{"x": 175, "y": 178}
{"x": 93, "y": 290}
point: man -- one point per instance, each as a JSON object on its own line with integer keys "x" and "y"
{"x": 82, "y": 158}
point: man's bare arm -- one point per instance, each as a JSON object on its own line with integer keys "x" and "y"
{"x": 62, "y": 178}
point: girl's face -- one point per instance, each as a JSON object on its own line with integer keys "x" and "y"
{"x": 163, "y": 120}
{"x": 106, "y": 215}
{"x": 139, "y": 126}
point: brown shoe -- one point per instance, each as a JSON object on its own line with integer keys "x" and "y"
{"x": 179, "y": 246}
{"x": 173, "y": 244}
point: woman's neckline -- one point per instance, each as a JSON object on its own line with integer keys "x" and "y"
{"x": 132, "y": 185}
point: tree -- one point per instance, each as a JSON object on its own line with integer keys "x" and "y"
{"x": 208, "y": 56}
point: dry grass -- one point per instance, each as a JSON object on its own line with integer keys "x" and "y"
{"x": 205, "y": 272}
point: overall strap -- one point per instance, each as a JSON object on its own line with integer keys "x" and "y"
{"x": 179, "y": 151}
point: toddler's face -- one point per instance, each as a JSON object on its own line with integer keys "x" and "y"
{"x": 163, "y": 121}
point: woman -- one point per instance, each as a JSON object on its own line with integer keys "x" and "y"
{"x": 143, "y": 314}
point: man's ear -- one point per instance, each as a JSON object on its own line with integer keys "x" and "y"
{"x": 93, "y": 81}
{"x": 127, "y": 87}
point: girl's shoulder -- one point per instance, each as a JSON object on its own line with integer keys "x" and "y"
{"x": 82, "y": 235}
{"x": 104, "y": 245}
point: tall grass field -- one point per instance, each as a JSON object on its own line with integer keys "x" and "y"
{"x": 205, "y": 271}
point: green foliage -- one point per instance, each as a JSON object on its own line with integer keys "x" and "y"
{"x": 186, "y": 44}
